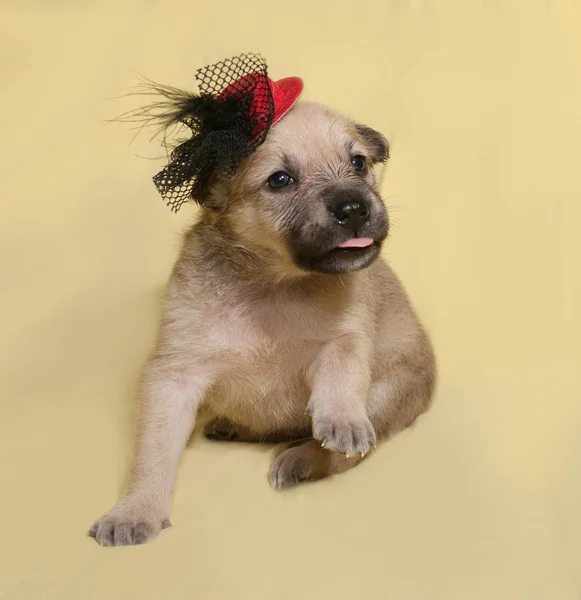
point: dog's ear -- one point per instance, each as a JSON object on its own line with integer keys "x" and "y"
{"x": 376, "y": 142}
{"x": 215, "y": 195}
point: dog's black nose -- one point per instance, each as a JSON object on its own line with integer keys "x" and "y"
{"x": 352, "y": 214}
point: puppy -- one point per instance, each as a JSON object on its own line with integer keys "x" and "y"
{"x": 283, "y": 320}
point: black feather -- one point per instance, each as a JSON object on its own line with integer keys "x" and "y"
{"x": 228, "y": 120}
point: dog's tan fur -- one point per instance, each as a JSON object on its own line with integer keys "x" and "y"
{"x": 274, "y": 351}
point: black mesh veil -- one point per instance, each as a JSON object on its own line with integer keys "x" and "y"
{"x": 228, "y": 119}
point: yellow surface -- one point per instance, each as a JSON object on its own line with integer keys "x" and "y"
{"x": 481, "y": 101}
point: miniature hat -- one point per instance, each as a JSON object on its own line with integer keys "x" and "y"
{"x": 228, "y": 119}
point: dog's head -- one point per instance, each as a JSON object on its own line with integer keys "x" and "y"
{"x": 308, "y": 194}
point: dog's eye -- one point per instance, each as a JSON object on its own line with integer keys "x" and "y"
{"x": 279, "y": 180}
{"x": 359, "y": 163}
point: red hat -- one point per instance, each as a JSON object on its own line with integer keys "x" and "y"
{"x": 285, "y": 92}
{"x": 229, "y": 118}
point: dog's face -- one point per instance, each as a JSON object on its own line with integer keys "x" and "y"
{"x": 308, "y": 194}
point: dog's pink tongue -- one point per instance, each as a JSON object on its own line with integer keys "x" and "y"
{"x": 357, "y": 243}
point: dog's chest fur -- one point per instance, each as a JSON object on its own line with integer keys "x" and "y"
{"x": 266, "y": 348}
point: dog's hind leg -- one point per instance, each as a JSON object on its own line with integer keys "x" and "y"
{"x": 224, "y": 430}
{"x": 393, "y": 405}
{"x": 309, "y": 461}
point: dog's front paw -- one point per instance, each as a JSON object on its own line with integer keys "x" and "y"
{"x": 352, "y": 434}
{"x": 128, "y": 526}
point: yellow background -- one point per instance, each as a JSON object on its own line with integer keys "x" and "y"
{"x": 481, "y": 101}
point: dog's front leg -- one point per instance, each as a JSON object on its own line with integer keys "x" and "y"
{"x": 340, "y": 379}
{"x": 169, "y": 403}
